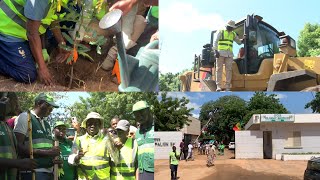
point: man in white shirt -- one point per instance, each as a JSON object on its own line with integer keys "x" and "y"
{"x": 189, "y": 152}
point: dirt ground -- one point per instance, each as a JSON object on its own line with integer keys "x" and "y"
{"x": 88, "y": 76}
{"x": 228, "y": 168}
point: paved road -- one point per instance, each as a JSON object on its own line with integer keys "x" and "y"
{"x": 228, "y": 168}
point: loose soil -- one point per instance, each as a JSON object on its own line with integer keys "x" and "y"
{"x": 228, "y": 168}
{"x": 88, "y": 76}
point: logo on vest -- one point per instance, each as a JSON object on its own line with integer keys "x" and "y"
{"x": 2, "y": 133}
{"x": 39, "y": 131}
{"x": 22, "y": 52}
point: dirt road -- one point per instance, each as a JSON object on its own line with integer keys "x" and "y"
{"x": 228, "y": 168}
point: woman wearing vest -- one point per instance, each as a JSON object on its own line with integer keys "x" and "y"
{"x": 173, "y": 159}
{"x": 224, "y": 55}
{"x": 43, "y": 149}
{"x": 93, "y": 158}
{"x": 22, "y": 23}
{"x": 126, "y": 169}
{"x": 145, "y": 140}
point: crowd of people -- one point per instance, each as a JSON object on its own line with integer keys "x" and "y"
{"x": 118, "y": 152}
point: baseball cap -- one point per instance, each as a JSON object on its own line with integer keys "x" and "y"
{"x": 140, "y": 105}
{"x": 59, "y": 123}
{"x": 123, "y": 125}
{"x": 47, "y": 98}
{"x": 92, "y": 115}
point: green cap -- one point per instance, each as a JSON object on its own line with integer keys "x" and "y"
{"x": 47, "y": 98}
{"x": 59, "y": 123}
{"x": 140, "y": 105}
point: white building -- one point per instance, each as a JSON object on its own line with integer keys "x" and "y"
{"x": 269, "y": 135}
{"x": 164, "y": 140}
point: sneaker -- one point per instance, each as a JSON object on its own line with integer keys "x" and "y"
{"x": 218, "y": 89}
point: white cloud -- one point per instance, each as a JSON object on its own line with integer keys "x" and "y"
{"x": 195, "y": 115}
{"x": 281, "y": 96}
{"x": 183, "y": 17}
{"x": 195, "y": 106}
{"x": 180, "y": 95}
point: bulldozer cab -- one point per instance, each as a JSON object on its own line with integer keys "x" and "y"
{"x": 262, "y": 42}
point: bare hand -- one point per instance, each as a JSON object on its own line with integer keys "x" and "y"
{"x": 63, "y": 55}
{"x": 45, "y": 76}
{"x": 79, "y": 156}
{"x": 124, "y": 5}
{"x": 118, "y": 144}
{"x": 155, "y": 36}
{"x": 27, "y": 164}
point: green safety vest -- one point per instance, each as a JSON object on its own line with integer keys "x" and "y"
{"x": 13, "y": 21}
{"x": 226, "y": 40}
{"x": 125, "y": 170}
{"x": 69, "y": 172}
{"x": 173, "y": 158}
{"x": 95, "y": 162}
{"x": 41, "y": 139}
{"x": 7, "y": 151}
{"x": 145, "y": 150}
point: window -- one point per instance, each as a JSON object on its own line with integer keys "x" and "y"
{"x": 294, "y": 139}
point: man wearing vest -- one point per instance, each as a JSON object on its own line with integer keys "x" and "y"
{"x": 22, "y": 23}
{"x": 93, "y": 158}
{"x": 8, "y": 154}
{"x": 173, "y": 160}
{"x": 145, "y": 140}
{"x": 59, "y": 130}
{"x": 126, "y": 169}
{"x": 223, "y": 50}
{"x": 43, "y": 149}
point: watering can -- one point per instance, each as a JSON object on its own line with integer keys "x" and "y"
{"x": 140, "y": 73}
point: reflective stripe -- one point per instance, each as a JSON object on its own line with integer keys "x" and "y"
{"x": 6, "y": 155}
{"x": 149, "y": 145}
{"x": 125, "y": 174}
{"x": 13, "y": 15}
{"x": 225, "y": 44}
{"x": 41, "y": 143}
{"x": 42, "y": 140}
{"x": 95, "y": 158}
{"x": 122, "y": 164}
{"x": 94, "y": 167}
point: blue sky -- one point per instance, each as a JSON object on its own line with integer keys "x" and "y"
{"x": 185, "y": 25}
{"x": 293, "y": 101}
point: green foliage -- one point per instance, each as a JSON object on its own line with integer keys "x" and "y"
{"x": 171, "y": 113}
{"x": 169, "y": 82}
{"x": 232, "y": 109}
{"x": 235, "y": 110}
{"x": 314, "y": 104}
{"x": 309, "y": 40}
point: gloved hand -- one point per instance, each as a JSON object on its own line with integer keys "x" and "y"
{"x": 45, "y": 55}
{"x": 216, "y": 52}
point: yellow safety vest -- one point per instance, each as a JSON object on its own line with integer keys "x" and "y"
{"x": 226, "y": 40}
{"x": 126, "y": 169}
{"x": 13, "y": 21}
{"x": 95, "y": 162}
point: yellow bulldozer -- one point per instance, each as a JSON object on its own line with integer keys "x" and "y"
{"x": 267, "y": 62}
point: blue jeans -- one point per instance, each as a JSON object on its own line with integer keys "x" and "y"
{"x": 146, "y": 175}
{"x": 39, "y": 176}
{"x": 16, "y": 61}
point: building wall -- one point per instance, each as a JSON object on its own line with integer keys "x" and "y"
{"x": 248, "y": 144}
{"x": 310, "y": 136}
{"x": 194, "y": 127}
{"x": 164, "y": 140}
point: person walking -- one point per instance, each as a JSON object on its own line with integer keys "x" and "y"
{"x": 173, "y": 160}
{"x": 223, "y": 49}
{"x": 59, "y": 131}
{"x": 42, "y": 143}
{"x": 189, "y": 152}
{"x": 126, "y": 169}
{"x": 145, "y": 140}
{"x": 181, "y": 150}
{"x": 93, "y": 157}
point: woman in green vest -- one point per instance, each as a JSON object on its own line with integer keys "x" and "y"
{"x": 173, "y": 159}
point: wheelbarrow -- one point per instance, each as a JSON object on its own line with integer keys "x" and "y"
{"x": 137, "y": 74}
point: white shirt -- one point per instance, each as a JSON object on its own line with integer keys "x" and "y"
{"x": 190, "y": 148}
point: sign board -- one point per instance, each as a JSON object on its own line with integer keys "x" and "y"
{"x": 164, "y": 140}
{"x": 277, "y": 118}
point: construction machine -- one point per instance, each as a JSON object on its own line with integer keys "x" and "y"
{"x": 267, "y": 62}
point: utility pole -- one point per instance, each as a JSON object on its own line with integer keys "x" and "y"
{"x": 211, "y": 114}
